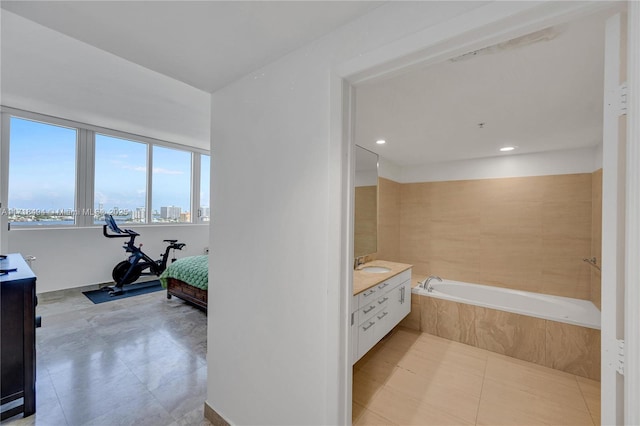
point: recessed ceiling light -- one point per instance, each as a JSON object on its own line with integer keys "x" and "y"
{"x": 381, "y": 141}
{"x": 507, "y": 148}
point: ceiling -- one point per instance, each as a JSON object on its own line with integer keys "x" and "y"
{"x": 537, "y": 93}
{"x": 540, "y": 93}
{"x": 206, "y": 44}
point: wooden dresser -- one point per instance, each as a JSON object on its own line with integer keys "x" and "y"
{"x": 18, "y": 329}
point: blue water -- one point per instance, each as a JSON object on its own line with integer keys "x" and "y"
{"x": 119, "y": 219}
{"x": 44, "y": 223}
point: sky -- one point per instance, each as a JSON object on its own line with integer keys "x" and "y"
{"x": 42, "y": 171}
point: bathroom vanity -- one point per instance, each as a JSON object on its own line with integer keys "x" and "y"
{"x": 381, "y": 299}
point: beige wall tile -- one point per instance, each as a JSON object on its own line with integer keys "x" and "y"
{"x": 388, "y": 219}
{"x": 573, "y": 349}
{"x": 510, "y": 334}
{"x": 366, "y": 220}
{"x": 511, "y": 262}
{"x": 516, "y": 190}
{"x": 527, "y": 233}
{"x": 574, "y": 187}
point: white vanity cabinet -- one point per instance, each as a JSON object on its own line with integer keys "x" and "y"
{"x": 377, "y": 310}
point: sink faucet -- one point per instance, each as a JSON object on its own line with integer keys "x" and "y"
{"x": 426, "y": 284}
{"x": 359, "y": 261}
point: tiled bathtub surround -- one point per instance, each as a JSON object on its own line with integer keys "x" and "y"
{"x": 552, "y": 344}
{"x": 528, "y": 233}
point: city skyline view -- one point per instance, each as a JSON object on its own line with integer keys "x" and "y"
{"x": 42, "y": 173}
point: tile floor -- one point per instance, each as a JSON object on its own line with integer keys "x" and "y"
{"x": 139, "y": 360}
{"x": 412, "y": 378}
{"x": 142, "y": 361}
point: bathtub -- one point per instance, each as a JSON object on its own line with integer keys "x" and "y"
{"x": 555, "y": 308}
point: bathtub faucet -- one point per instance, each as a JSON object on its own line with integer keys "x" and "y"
{"x": 426, "y": 284}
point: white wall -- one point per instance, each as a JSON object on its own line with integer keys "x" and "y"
{"x": 68, "y": 258}
{"x": 271, "y": 349}
{"x": 49, "y": 73}
{"x": 583, "y": 160}
{"x": 366, "y": 178}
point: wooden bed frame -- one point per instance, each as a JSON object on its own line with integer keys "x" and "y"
{"x": 190, "y": 294}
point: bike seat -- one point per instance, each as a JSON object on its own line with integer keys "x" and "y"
{"x": 170, "y": 241}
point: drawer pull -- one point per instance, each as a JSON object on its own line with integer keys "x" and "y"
{"x": 371, "y": 307}
{"x": 366, "y": 327}
{"x": 384, "y": 314}
{"x": 380, "y": 302}
{"x": 369, "y": 293}
{"x": 383, "y": 285}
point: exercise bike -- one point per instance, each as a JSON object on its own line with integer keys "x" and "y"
{"x": 138, "y": 263}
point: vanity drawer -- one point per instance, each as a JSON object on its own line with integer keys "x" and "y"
{"x": 379, "y": 289}
{"x": 371, "y": 308}
{"x": 367, "y": 296}
{"x": 396, "y": 280}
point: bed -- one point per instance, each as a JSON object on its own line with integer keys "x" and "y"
{"x": 188, "y": 279}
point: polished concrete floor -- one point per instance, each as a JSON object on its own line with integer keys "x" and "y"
{"x": 140, "y": 360}
{"x": 412, "y": 378}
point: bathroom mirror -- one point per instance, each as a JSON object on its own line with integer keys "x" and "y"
{"x": 366, "y": 202}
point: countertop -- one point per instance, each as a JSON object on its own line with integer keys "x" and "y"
{"x": 365, "y": 280}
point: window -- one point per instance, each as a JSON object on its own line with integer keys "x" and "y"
{"x": 64, "y": 173}
{"x": 42, "y": 173}
{"x": 205, "y": 167}
{"x": 171, "y": 183}
{"x": 120, "y": 179}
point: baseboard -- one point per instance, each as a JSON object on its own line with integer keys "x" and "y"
{"x": 213, "y": 416}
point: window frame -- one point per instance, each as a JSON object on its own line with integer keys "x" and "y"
{"x": 85, "y": 168}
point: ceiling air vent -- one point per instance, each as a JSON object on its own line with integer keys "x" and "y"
{"x": 543, "y": 35}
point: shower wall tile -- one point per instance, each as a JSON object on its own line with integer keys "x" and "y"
{"x": 415, "y": 211}
{"x": 573, "y": 349}
{"x": 528, "y": 233}
{"x": 573, "y": 187}
{"x": 451, "y": 320}
{"x": 511, "y": 334}
{"x": 566, "y": 234}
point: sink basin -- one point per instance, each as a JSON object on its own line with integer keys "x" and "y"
{"x": 376, "y": 269}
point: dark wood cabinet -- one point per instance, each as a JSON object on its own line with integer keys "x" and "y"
{"x": 17, "y": 334}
